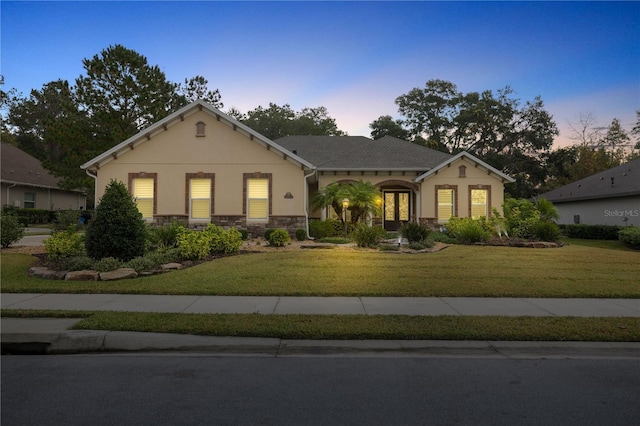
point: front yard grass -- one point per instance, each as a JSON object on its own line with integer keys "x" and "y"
{"x": 481, "y": 271}
{"x": 342, "y": 327}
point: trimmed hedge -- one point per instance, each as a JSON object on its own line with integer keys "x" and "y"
{"x": 630, "y": 236}
{"x": 591, "y": 232}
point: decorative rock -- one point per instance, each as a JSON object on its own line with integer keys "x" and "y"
{"x": 85, "y": 275}
{"x": 46, "y": 273}
{"x": 118, "y": 274}
{"x": 173, "y": 265}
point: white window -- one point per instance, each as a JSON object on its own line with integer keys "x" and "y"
{"x": 29, "y": 200}
{"x": 257, "y": 199}
{"x": 478, "y": 203}
{"x": 200, "y": 195}
{"x": 143, "y": 189}
{"x": 445, "y": 204}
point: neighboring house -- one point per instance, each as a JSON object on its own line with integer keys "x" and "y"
{"x": 199, "y": 165}
{"x": 25, "y": 183}
{"x": 611, "y": 197}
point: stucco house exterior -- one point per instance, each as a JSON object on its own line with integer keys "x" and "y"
{"x": 200, "y": 166}
{"x": 26, "y": 184}
{"x": 611, "y": 197}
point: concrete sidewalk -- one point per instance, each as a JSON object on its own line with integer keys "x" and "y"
{"x": 279, "y": 305}
{"x": 49, "y": 335}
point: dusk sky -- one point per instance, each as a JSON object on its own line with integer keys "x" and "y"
{"x": 354, "y": 58}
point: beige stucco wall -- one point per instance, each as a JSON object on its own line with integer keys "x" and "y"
{"x": 426, "y": 196}
{"x": 450, "y": 176}
{"x": 227, "y": 153}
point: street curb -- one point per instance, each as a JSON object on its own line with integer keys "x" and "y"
{"x": 95, "y": 341}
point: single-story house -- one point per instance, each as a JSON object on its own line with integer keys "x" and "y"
{"x": 199, "y": 165}
{"x": 611, "y": 197}
{"x": 25, "y": 183}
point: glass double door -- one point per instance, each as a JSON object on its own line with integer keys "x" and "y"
{"x": 397, "y": 207}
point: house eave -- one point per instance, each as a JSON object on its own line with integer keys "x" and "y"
{"x": 35, "y": 185}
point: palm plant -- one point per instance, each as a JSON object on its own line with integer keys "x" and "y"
{"x": 364, "y": 200}
{"x": 331, "y": 195}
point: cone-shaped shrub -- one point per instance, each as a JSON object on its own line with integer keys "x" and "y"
{"x": 117, "y": 229}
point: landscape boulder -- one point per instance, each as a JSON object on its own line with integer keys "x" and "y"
{"x": 118, "y": 274}
{"x": 84, "y": 275}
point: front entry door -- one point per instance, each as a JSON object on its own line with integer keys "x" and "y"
{"x": 396, "y": 209}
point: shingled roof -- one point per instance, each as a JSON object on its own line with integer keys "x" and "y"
{"x": 20, "y": 168}
{"x": 361, "y": 153}
{"x": 621, "y": 181}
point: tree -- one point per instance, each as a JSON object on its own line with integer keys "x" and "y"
{"x": 277, "y": 121}
{"x": 331, "y": 195}
{"x": 495, "y": 127}
{"x": 196, "y": 88}
{"x": 387, "y": 126}
{"x": 123, "y": 93}
{"x": 50, "y": 126}
{"x": 118, "y": 229}
{"x": 430, "y": 111}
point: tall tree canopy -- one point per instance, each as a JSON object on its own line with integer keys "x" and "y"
{"x": 277, "y": 121}
{"x": 64, "y": 125}
{"x": 496, "y": 127}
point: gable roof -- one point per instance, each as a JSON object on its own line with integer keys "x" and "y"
{"x": 620, "y": 181}
{"x": 178, "y": 116}
{"x": 358, "y": 153}
{"x": 477, "y": 161}
{"x": 20, "y": 168}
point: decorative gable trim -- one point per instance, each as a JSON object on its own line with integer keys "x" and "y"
{"x": 478, "y": 163}
{"x": 147, "y": 134}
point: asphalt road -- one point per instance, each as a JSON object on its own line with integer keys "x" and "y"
{"x": 206, "y": 390}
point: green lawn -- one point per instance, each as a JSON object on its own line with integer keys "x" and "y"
{"x": 571, "y": 271}
{"x": 390, "y": 327}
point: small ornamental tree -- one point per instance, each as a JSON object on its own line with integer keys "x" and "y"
{"x": 117, "y": 229}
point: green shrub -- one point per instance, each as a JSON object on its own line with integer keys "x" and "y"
{"x": 141, "y": 263}
{"x": 325, "y": 228}
{"x": 66, "y": 219}
{"x": 414, "y": 232}
{"x": 28, "y": 216}
{"x": 367, "y": 236}
{"x": 442, "y": 237}
{"x": 107, "y": 264}
{"x": 244, "y": 233}
{"x": 76, "y": 263}
{"x": 11, "y": 230}
{"x": 630, "y": 236}
{"x": 221, "y": 241}
{"x": 421, "y": 245}
{"x": 546, "y": 231}
{"x": 278, "y": 238}
{"x": 164, "y": 237}
{"x": 591, "y": 232}
{"x": 117, "y": 229}
{"x": 193, "y": 245}
{"x": 301, "y": 234}
{"x": 467, "y": 230}
{"x": 64, "y": 244}
{"x": 268, "y": 232}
